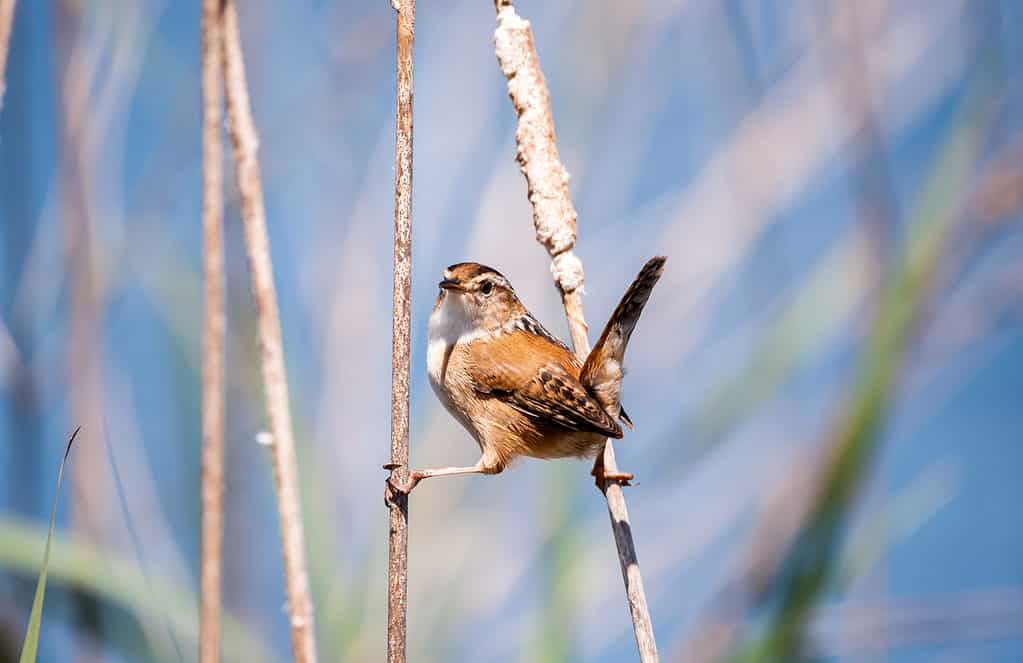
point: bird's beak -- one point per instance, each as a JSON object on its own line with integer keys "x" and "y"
{"x": 450, "y": 284}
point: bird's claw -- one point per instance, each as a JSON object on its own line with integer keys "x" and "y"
{"x": 393, "y": 491}
{"x": 621, "y": 478}
{"x": 602, "y": 477}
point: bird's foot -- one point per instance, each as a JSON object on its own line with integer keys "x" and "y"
{"x": 621, "y": 478}
{"x": 602, "y": 477}
{"x": 393, "y": 490}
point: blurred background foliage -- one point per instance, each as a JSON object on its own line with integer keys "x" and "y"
{"x": 826, "y": 384}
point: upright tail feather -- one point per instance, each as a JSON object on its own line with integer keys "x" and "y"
{"x": 602, "y": 373}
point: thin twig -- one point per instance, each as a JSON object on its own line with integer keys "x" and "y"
{"x": 397, "y": 564}
{"x": 244, "y": 142}
{"x": 554, "y": 218}
{"x": 91, "y": 481}
{"x": 213, "y": 336}
{"x": 6, "y": 23}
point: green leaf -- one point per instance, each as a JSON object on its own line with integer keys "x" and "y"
{"x": 31, "y": 644}
{"x": 814, "y": 557}
{"x": 108, "y": 576}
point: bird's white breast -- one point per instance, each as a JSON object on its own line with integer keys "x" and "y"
{"x": 449, "y": 325}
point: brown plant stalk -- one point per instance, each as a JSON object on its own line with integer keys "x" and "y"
{"x": 6, "y": 23}
{"x": 244, "y": 142}
{"x": 554, "y": 218}
{"x": 213, "y": 337}
{"x": 397, "y": 561}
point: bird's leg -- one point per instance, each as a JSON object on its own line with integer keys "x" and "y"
{"x": 602, "y": 476}
{"x": 415, "y": 476}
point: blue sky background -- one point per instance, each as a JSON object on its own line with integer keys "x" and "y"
{"x": 724, "y": 134}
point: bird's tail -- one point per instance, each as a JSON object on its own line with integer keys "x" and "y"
{"x": 602, "y": 373}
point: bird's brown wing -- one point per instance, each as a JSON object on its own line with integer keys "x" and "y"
{"x": 540, "y": 379}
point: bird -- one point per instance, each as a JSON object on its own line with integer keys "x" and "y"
{"x": 514, "y": 386}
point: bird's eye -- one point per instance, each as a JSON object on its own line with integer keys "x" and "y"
{"x": 487, "y": 288}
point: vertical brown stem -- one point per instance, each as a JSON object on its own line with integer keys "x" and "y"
{"x": 213, "y": 337}
{"x": 397, "y": 566}
{"x": 6, "y": 23}
{"x": 554, "y": 219}
{"x": 244, "y": 142}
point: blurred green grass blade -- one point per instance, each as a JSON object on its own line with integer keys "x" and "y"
{"x": 31, "y": 644}
{"x": 814, "y": 557}
{"x": 554, "y": 638}
{"x": 110, "y": 577}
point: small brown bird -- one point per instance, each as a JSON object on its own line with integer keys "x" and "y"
{"x": 516, "y": 388}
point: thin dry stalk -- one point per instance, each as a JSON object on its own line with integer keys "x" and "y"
{"x": 91, "y": 512}
{"x": 6, "y": 23}
{"x": 397, "y": 564}
{"x": 213, "y": 337}
{"x": 244, "y": 142}
{"x": 554, "y": 218}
